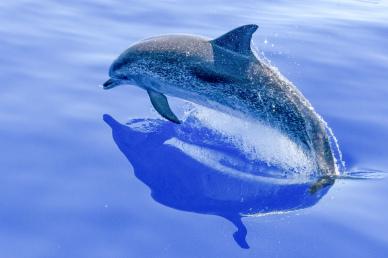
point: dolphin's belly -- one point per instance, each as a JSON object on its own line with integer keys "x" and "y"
{"x": 278, "y": 110}
{"x": 273, "y": 109}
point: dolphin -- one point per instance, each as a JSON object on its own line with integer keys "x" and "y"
{"x": 226, "y": 74}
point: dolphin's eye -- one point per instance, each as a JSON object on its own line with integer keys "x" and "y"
{"x": 210, "y": 76}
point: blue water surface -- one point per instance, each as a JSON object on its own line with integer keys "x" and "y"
{"x": 78, "y": 182}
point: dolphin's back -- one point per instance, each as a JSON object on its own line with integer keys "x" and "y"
{"x": 189, "y": 46}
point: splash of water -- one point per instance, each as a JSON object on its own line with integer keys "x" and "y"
{"x": 255, "y": 140}
{"x": 239, "y": 146}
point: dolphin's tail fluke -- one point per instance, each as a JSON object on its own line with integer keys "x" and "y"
{"x": 321, "y": 183}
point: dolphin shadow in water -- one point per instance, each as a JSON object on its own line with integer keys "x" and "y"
{"x": 205, "y": 176}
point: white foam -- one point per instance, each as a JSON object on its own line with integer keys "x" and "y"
{"x": 144, "y": 126}
{"x": 214, "y": 159}
{"x": 257, "y": 141}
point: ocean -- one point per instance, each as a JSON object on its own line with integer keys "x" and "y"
{"x": 70, "y": 189}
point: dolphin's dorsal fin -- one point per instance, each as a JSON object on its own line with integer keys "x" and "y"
{"x": 237, "y": 40}
{"x": 160, "y": 103}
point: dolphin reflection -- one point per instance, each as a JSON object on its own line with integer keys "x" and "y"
{"x": 191, "y": 168}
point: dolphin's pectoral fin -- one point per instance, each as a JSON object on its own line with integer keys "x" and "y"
{"x": 237, "y": 40}
{"x": 160, "y": 103}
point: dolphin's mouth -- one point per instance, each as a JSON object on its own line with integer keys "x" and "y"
{"x": 109, "y": 84}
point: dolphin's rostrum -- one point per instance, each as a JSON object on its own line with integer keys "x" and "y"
{"x": 225, "y": 74}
